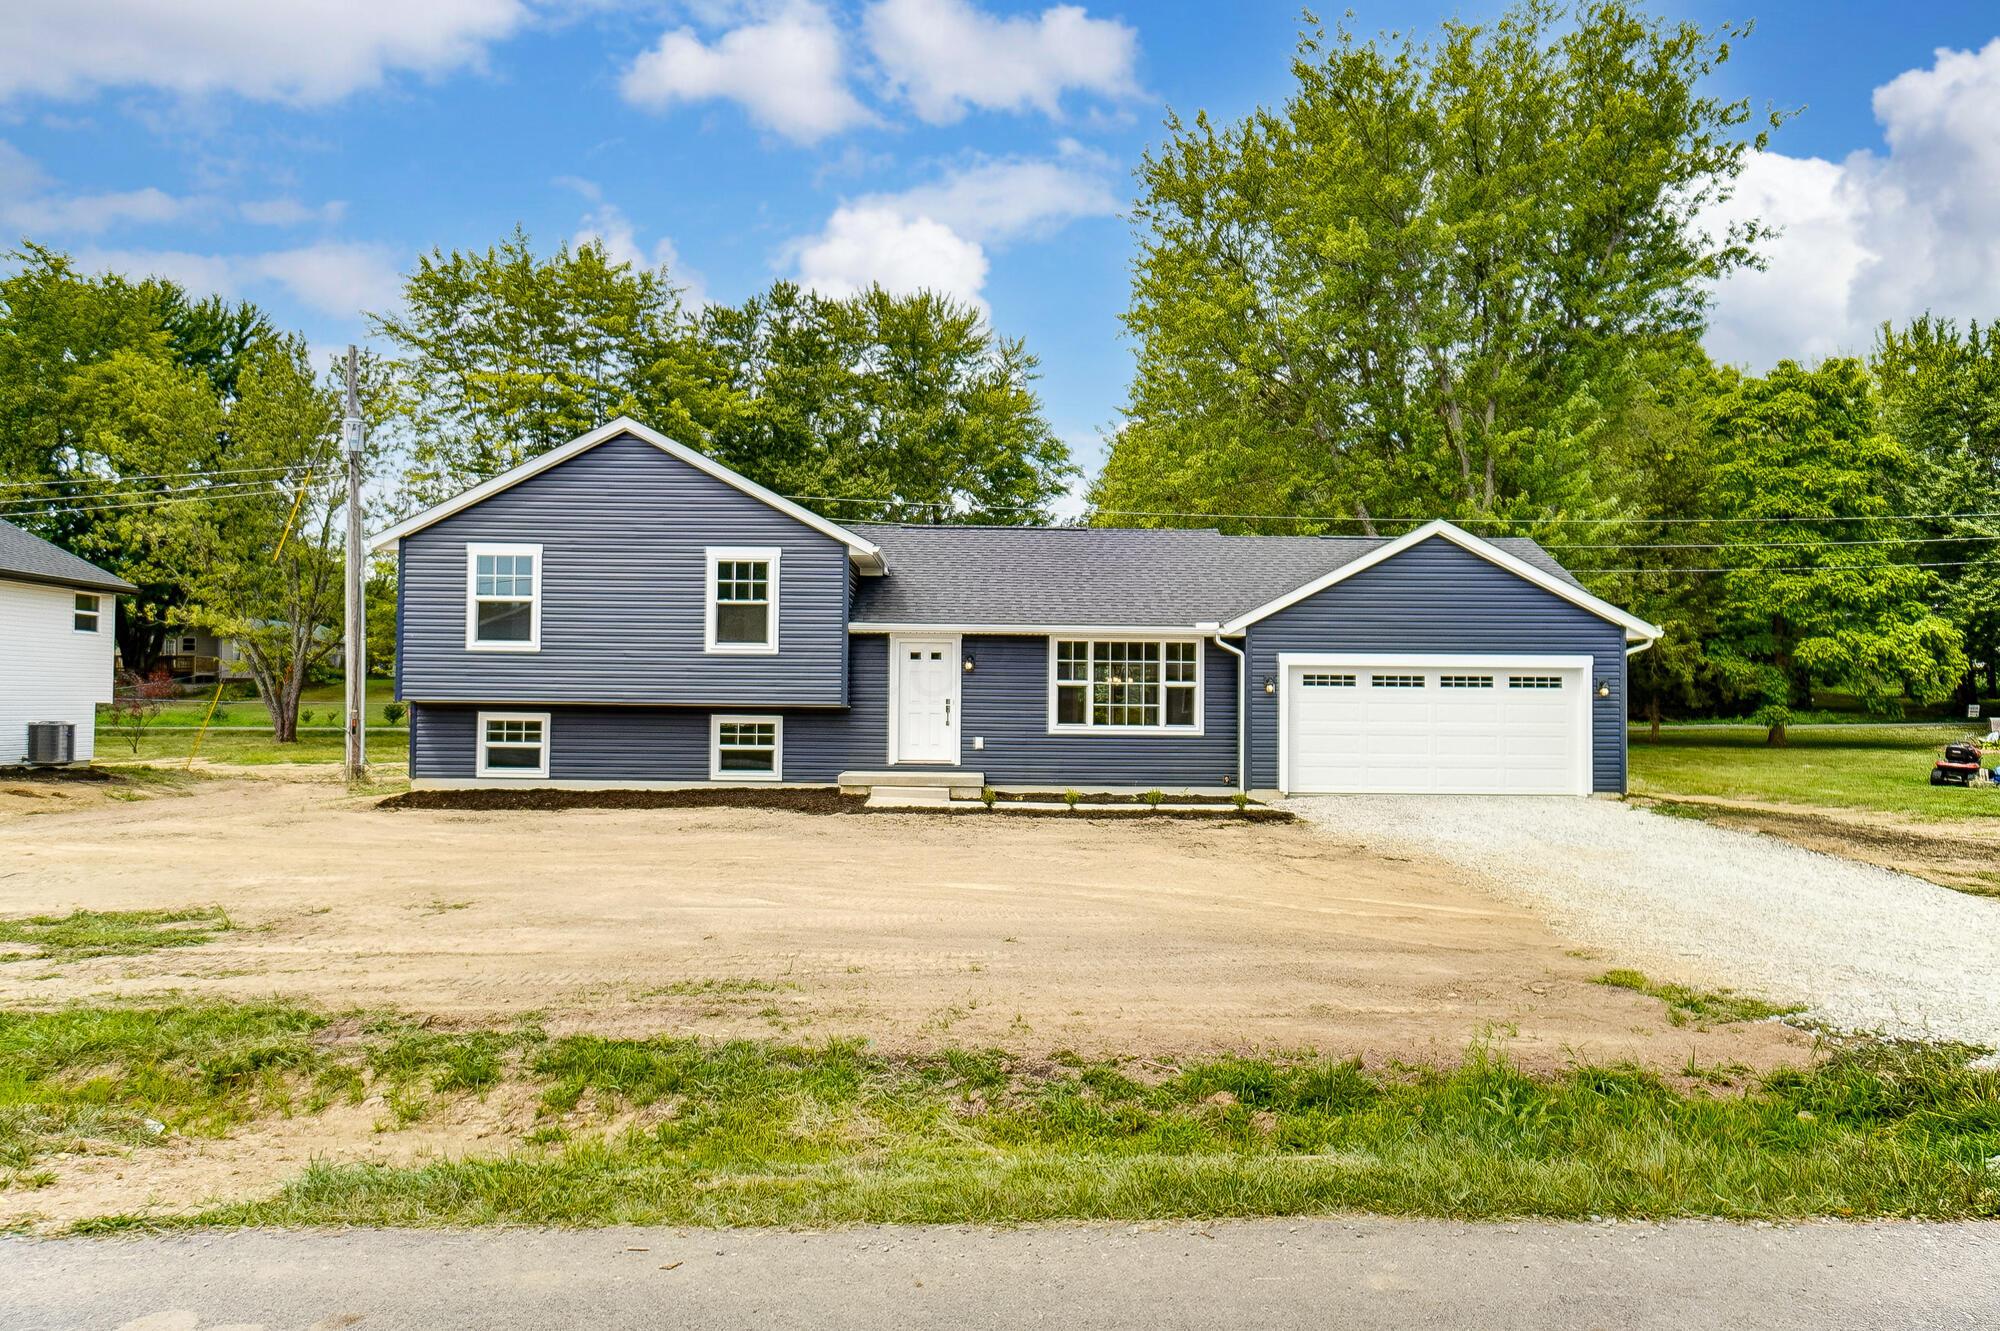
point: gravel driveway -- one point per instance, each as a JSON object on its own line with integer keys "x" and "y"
{"x": 1865, "y": 948}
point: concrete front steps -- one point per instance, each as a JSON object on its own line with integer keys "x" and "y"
{"x": 952, "y": 791}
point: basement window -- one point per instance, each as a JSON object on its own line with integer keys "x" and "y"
{"x": 746, "y": 748}
{"x": 513, "y": 744}
{"x": 503, "y": 598}
{"x": 86, "y": 613}
{"x": 742, "y": 600}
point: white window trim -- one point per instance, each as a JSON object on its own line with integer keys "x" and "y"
{"x": 720, "y": 554}
{"x": 1200, "y": 686}
{"x": 96, "y": 612}
{"x": 715, "y": 724}
{"x": 1582, "y": 668}
{"x": 540, "y": 773}
{"x": 472, "y": 642}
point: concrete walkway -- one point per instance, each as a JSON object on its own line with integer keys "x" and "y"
{"x": 1355, "y": 1274}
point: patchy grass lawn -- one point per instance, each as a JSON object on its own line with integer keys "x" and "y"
{"x": 318, "y": 744}
{"x": 677, "y": 1131}
{"x": 1700, "y": 1008}
{"x": 109, "y": 933}
{"x": 1880, "y": 768}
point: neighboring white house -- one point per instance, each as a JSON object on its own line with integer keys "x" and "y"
{"x": 57, "y": 616}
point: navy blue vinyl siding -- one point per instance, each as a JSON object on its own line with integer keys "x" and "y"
{"x": 1438, "y": 597}
{"x": 624, "y": 529}
{"x": 1005, "y": 701}
{"x": 668, "y": 743}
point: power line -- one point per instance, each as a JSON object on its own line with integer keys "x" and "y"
{"x": 218, "y": 492}
{"x": 126, "y": 480}
{"x": 1774, "y": 568}
{"x": 167, "y": 493}
{"x": 1772, "y": 545}
{"x": 1351, "y": 518}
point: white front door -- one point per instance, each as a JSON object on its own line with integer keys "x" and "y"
{"x": 926, "y": 700}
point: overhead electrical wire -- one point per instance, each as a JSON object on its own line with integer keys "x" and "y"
{"x": 126, "y": 480}
{"x": 216, "y": 492}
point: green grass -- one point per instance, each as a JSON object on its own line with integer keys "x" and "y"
{"x": 676, "y": 1131}
{"x": 1700, "y": 1008}
{"x": 110, "y": 933}
{"x": 250, "y": 747}
{"x": 1883, "y": 768}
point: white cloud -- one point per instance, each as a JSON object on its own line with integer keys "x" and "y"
{"x": 1880, "y": 235}
{"x": 305, "y": 51}
{"x": 788, "y": 71}
{"x": 289, "y": 212}
{"x": 934, "y": 237}
{"x": 337, "y": 278}
{"x": 340, "y": 279}
{"x": 948, "y": 56}
{"x": 90, "y": 214}
{"x": 862, "y": 244}
{"x": 1003, "y": 200}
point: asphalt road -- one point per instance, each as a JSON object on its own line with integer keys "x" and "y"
{"x": 1355, "y": 1275}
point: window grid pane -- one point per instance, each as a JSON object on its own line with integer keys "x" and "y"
{"x": 1535, "y": 682}
{"x": 746, "y": 746}
{"x": 1465, "y": 681}
{"x": 1123, "y": 685}
{"x": 1319, "y": 680}
{"x": 1398, "y": 681}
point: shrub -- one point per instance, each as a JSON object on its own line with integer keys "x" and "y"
{"x": 1070, "y": 797}
{"x": 394, "y": 712}
{"x": 1153, "y": 798}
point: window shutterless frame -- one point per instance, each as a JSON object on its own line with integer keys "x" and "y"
{"x": 1073, "y": 662}
{"x": 737, "y": 746}
{"x": 739, "y": 577}
{"x": 87, "y": 610}
{"x": 503, "y": 590}
{"x": 512, "y": 737}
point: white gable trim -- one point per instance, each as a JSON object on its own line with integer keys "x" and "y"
{"x": 866, "y": 553}
{"x": 1636, "y": 629}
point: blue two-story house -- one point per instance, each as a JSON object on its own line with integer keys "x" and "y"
{"x": 625, "y": 612}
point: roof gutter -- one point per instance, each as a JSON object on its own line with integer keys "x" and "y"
{"x": 1214, "y": 631}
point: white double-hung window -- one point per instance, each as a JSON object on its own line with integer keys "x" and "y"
{"x": 1125, "y": 685}
{"x": 746, "y": 748}
{"x": 503, "y": 598}
{"x": 513, "y": 744}
{"x": 742, "y": 600}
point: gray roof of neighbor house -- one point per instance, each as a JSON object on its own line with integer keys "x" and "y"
{"x": 28, "y": 558}
{"x": 1126, "y": 576}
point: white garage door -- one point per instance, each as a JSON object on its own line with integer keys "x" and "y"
{"x": 1464, "y": 728}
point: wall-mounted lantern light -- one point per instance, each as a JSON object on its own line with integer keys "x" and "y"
{"x": 968, "y": 665}
{"x": 1270, "y": 684}
{"x": 1604, "y": 688}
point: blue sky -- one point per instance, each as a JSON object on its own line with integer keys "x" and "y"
{"x": 300, "y": 154}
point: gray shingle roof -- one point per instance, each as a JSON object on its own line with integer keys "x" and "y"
{"x": 29, "y": 558}
{"x": 1136, "y": 576}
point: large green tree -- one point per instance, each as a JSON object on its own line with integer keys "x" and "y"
{"x": 264, "y": 568}
{"x": 1410, "y": 289}
{"x": 503, "y": 354}
{"x": 1818, "y": 595}
{"x": 909, "y": 406}
{"x": 112, "y": 399}
{"x": 1940, "y": 391}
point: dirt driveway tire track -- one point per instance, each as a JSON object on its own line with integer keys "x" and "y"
{"x": 1108, "y": 937}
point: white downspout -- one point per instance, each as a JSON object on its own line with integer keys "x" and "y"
{"x": 1242, "y": 700}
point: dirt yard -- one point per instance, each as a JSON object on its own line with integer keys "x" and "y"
{"x": 1108, "y": 937}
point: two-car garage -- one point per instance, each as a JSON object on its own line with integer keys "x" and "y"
{"x": 1441, "y": 724}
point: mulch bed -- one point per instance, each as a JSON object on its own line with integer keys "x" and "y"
{"x": 827, "y": 800}
{"x": 818, "y": 800}
{"x": 1055, "y": 796}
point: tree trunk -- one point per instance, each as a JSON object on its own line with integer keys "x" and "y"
{"x": 1775, "y": 738}
{"x": 1653, "y": 715}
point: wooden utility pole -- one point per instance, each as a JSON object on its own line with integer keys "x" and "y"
{"x": 355, "y": 763}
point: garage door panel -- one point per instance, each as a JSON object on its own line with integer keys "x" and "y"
{"x": 1460, "y": 729}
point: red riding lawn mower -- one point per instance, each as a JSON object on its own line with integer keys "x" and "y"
{"x": 1961, "y": 764}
